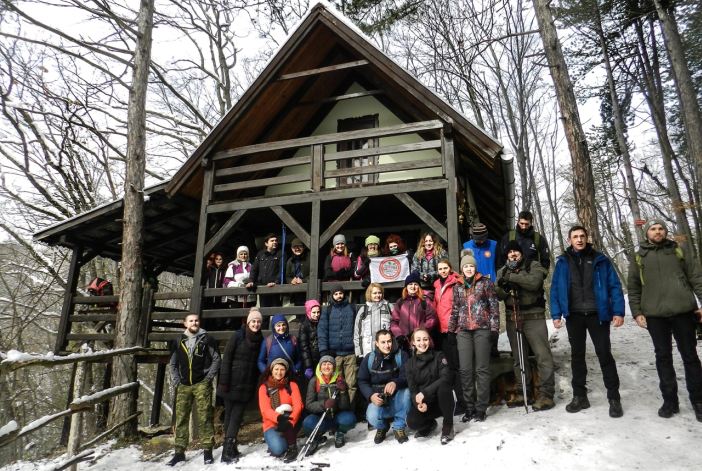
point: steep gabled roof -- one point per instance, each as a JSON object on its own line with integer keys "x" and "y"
{"x": 270, "y": 108}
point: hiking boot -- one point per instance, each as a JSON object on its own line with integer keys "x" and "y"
{"x": 207, "y": 456}
{"x": 401, "y": 435}
{"x": 543, "y": 403}
{"x": 697, "y": 406}
{"x": 318, "y": 441}
{"x": 615, "y": 408}
{"x": 577, "y": 404}
{"x": 178, "y": 457}
{"x": 291, "y": 454}
{"x": 380, "y": 435}
{"x": 446, "y": 434}
{"x": 339, "y": 439}
{"x": 425, "y": 432}
{"x": 227, "y": 451}
{"x": 480, "y": 416}
{"x": 468, "y": 416}
{"x": 668, "y": 409}
{"x": 517, "y": 400}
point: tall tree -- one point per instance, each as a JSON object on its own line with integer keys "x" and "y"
{"x": 124, "y": 368}
{"x": 583, "y": 181}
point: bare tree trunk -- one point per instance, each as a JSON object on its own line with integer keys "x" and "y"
{"x": 124, "y": 367}
{"x": 692, "y": 117}
{"x": 583, "y": 181}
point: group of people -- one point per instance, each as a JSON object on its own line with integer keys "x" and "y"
{"x": 427, "y": 355}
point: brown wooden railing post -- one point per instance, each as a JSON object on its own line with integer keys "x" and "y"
{"x": 68, "y": 307}
{"x": 317, "y": 167}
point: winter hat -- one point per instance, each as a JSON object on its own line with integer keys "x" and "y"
{"x": 479, "y": 231}
{"x": 254, "y": 313}
{"x": 278, "y": 318}
{"x": 336, "y": 288}
{"x": 653, "y": 222}
{"x": 412, "y": 278}
{"x": 279, "y": 361}
{"x": 371, "y": 239}
{"x": 309, "y": 304}
{"x": 514, "y": 245}
{"x": 242, "y": 248}
{"x": 296, "y": 242}
{"x": 339, "y": 239}
{"x": 467, "y": 258}
{"x": 328, "y": 358}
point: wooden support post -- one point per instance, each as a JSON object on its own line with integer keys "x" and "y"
{"x": 147, "y": 297}
{"x": 67, "y": 308}
{"x": 341, "y": 220}
{"x": 74, "y": 435}
{"x": 448, "y": 154}
{"x": 317, "y": 167}
{"x": 313, "y": 282}
{"x": 224, "y": 231}
{"x": 158, "y": 394}
{"x": 423, "y": 215}
{"x": 295, "y": 226}
{"x": 69, "y": 398}
{"x": 207, "y": 183}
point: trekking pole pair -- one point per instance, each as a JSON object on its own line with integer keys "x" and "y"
{"x": 310, "y": 440}
{"x": 519, "y": 323}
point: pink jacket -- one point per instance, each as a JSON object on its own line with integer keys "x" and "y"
{"x": 410, "y": 313}
{"x": 443, "y": 300}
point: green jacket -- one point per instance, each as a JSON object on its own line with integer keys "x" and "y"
{"x": 663, "y": 283}
{"x": 530, "y": 283}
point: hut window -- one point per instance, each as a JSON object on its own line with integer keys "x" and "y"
{"x": 354, "y": 124}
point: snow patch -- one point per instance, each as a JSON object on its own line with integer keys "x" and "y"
{"x": 8, "y": 428}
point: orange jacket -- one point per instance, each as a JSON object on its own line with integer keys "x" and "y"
{"x": 270, "y": 416}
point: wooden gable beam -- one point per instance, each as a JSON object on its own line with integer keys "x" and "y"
{"x": 341, "y": 220}
{"x": 322, "y": 70}
{"x": 423, "y": 214}
{"x": 287, "y": 218}
{"x": 224, "y": 231}
{"x": 337, "y": 98}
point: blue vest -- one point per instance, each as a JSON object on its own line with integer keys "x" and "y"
{"x": 484, "y": 256}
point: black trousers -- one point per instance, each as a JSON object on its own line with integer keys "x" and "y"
{"x": 233, "y": 416}
{"x": 440, "y": 405}
{"x": 578, "y": 326}
{"x": 681, "y": 327}
{"x": 447, "y": 344}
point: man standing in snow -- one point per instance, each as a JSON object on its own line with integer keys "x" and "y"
{"x": 663, "y": 281}
{"x": 194, "y": 364}
{"x": 534, "y": 245}
{"x": 586, "y": 292}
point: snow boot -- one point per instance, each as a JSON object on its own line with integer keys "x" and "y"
{"x": 207, "y": 456}
{"x": 291, "y": 454}
{"x": 318, "y": 441}
{"x": 543, "y": 403}
{"x": 577, "y": 404}
{"x": 668, "y": 409}
{"x": 178, "y": 457}
{"x": 339, "y": 439}
{"x": 380, "y": 435}
{"x": 480, "y": 416}
{"x": 468, "y": 416}
{"x": 446, "y": 434}
{"x": 230, "y": 454}
{"x": 697, "y": 406}
{"x": 401, "y": 435}
{"x": 425, "y": 432}
{"x": 517, "y": 400}
{"x": 615, "y": 408}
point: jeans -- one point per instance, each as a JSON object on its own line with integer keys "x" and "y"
{"x": 342, "y": 421}
{"x": 474, "y": 367}
{"x": 682, "y": 328}
{"x": 578, "y": 326}
{"x": 535, "y": 336}
{"x": 396, "y": 408}
{"x": 278, "y": 442}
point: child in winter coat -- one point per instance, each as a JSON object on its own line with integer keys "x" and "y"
{"x": 337, "y": 265}
{"x": 281, "y": 406}
{"x": 474, "y": 316}
{"x": 429, "y": 379}
{"x": 336, "y": 336}
{"x": 328, "y": 391}
{"x": 309, "y": 341}
{"x": 426, "y": 258}
{"x": 372, "y": 316}
{"x": 280, "y": 344}
{"x": 411, "y": 311}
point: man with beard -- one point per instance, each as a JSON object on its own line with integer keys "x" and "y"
{"x": 534, "y": 245}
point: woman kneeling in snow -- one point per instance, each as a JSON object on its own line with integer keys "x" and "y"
{"x": 430, "y": 379}
{"x": 281, "y": 405}
{"x": 328, "y": 391}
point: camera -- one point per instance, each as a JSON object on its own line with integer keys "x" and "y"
{"x": 384, "y": 397}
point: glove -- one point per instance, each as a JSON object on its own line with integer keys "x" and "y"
{"x": 341, "y": 385}
{"x": 308, "y": 373}
{"x": 330, "y": 404}
{"x": 284, "y": 423}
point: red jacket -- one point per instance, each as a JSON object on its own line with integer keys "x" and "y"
{"x": 408, "y": 314}
{"x": 270, "y": 416}
{"x": 443, "y": 300}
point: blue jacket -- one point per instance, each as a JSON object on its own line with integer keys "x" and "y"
{"x": 279, "y": 346}
{"x": 608, "y": 288}
{"x": 335, "y": 329}
{"x": 485, "y": 257}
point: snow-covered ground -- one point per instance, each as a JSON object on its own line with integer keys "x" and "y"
{"x": 510, "y": 438}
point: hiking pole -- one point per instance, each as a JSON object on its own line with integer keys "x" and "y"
{"x": 519, "y": 323}
{"x": 308, "y": 443}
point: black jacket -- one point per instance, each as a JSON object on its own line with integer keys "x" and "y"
{"x": 309, "y": 344}
{"x": 529, "y": 249}
{"x": 239, "y": 373}
{"x": 384, "y": 369}
{"x": 426, "y": 372}
{"x": 199, "y": 365}
{"x": 266, "y": 267}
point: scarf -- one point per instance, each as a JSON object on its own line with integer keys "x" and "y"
{"x": 273, "y": 386}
